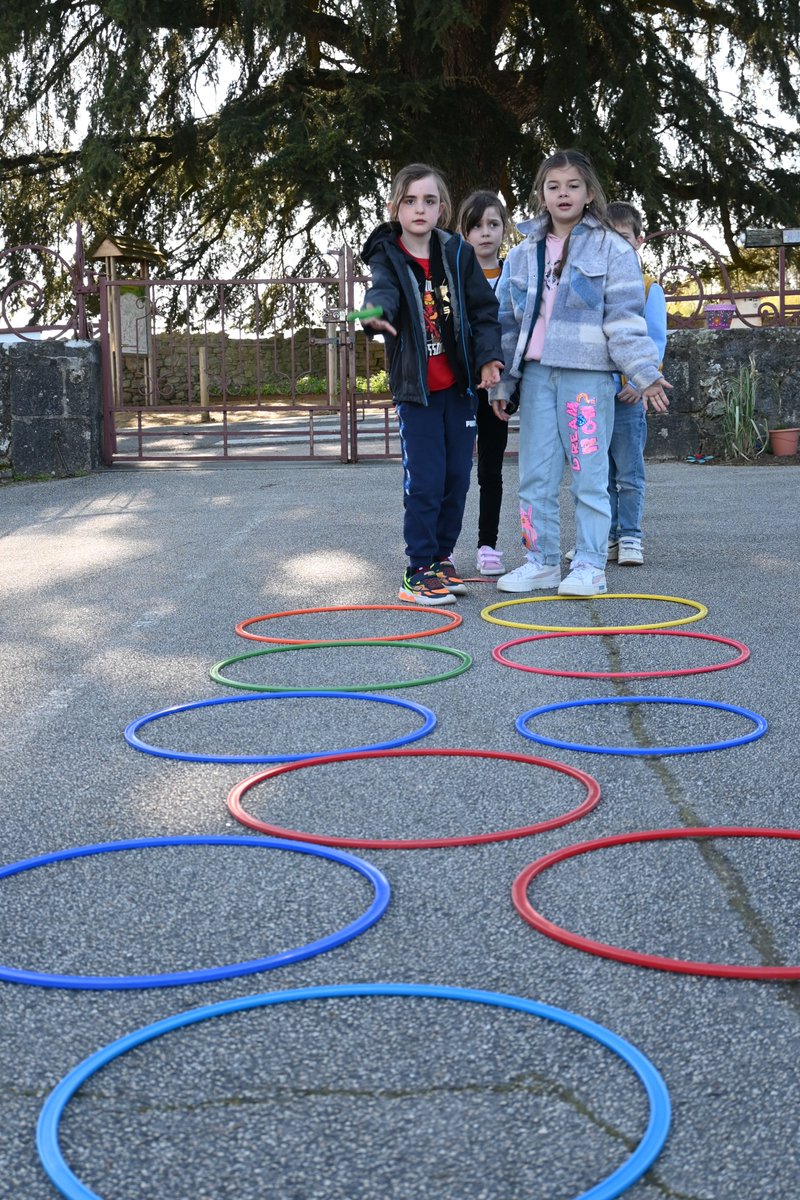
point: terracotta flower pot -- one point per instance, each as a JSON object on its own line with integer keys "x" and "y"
{"x": 784, "y": 441}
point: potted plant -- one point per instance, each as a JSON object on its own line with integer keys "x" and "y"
{"x": 742, "y": 435}
{"x": 783, "y": 440}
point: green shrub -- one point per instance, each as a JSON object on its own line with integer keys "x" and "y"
{"x": 742, "y": 435}
{"x": 378, "y": 382}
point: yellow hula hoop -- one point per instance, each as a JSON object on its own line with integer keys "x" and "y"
{"x": 701, "y": 612}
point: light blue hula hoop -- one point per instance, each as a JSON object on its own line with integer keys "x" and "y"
{"x": 206, "y": 974}
{"x": 759, "y": 731}
{"x": 613, "y": 1185}
{"x": 132, "y": 729}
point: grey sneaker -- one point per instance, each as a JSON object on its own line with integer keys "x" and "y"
{"x": 530, "y": 577}
{"x": 630, "y": 552}
{"x": 583, "y": 580}
{"x": 611, "y": 554}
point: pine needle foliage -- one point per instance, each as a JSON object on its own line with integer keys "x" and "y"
{"x": 689, "y": 108}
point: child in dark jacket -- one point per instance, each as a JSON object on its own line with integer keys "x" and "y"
{"x": 439, "y": 318}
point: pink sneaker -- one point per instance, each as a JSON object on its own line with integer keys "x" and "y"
{"x": 490, "y": 561}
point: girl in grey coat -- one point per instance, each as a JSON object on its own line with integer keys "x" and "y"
{"x": 572, "y": 314}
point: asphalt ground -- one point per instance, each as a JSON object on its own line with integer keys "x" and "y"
{"x": 120, "y": 591}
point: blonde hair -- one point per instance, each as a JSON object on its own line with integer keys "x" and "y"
{"x": 411, "y": 174}
{"x": 583, "y": 165}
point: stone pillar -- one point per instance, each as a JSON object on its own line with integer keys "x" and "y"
{"x": 54, "y": 406}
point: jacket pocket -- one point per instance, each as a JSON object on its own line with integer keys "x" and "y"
{"x": 586, "y": 286}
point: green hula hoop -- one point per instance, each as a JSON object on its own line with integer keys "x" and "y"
{"x": 465, "y": 662}
{"x": 701, "y": 612}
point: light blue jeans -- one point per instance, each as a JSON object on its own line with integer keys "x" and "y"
{"x": 626, "y": 470}
{"x": 564, "y": 414}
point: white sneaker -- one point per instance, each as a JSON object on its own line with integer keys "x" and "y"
{"x": 529, "y": 578}
{"x": 630, "y": 552}
{"x": 583, "y": 580}
{"x": 611, "y": 552}
{"x": 490, "y": 561}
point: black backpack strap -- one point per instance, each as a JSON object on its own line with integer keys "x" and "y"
{"x": 537, "y": 304}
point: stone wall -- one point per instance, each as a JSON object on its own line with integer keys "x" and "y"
{"x": 50, "y": 408}
{"x": 51, "y": 398}
{"x": 700, "y": 365}
{"x": 248, "y": 366}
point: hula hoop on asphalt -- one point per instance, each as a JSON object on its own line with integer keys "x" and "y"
{"x": 623, "y": 1177}
{"x": 519, "y": 896}
{"x": 131, "y": 732}
{"x": 744, "y": 654}
{"x": 701, "y": 612}
{"x": 465, "y": 662}
{"x": 453, "y": 620}
{"x": 206, "y": 974}
{"x": 590, "y": 801}
{"x": 759, "y": 731}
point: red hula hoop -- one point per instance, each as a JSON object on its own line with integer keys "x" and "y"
{"x": 590, "y": 802}
{"x": 453, "y": 621}
{"x": 744, "y": 654}
{"x": 519, "y": 896}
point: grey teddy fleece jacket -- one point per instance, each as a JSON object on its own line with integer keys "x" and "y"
{"x": 597, "y": 322}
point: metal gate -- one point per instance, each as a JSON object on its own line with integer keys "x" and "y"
{"x": 242, "y": 370}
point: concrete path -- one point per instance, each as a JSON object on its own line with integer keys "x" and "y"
{"x": 117, "y": 594}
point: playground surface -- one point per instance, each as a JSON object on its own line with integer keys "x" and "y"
{"x": 118, "y": 593}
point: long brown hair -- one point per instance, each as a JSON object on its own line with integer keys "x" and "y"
{"x": 583, "y": 165}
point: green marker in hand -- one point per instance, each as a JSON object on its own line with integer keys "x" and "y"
{"x": 365, "y": 314}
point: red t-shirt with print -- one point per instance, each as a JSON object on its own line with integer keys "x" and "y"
{"x": 440, "y": 373}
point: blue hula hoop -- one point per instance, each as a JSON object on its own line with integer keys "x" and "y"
{"x": 131, "y": 731}
{"x": 613, "y": 1185}
{"x": 759, "y": 731}
{"x": 205, "y": 975}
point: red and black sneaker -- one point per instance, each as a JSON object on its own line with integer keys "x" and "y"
{"x": 446, "y": 573}
{"x": 424, "y": 587}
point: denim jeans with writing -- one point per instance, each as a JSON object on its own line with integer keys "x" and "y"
{"x": 626, "y": 470}
{"x": 564, "y": 414}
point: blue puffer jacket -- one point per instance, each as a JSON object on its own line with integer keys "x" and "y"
{"x": 597, "y": 322}
{"x": 395, "y": 289}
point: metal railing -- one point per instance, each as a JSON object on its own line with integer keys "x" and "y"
{"x": 684, "y": 285}
{"x": 270, "y": 368}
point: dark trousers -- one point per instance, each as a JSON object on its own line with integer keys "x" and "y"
{"x": 437, "y": 441}
{"x": 492, "y": 442}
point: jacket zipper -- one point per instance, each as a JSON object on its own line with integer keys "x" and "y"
{"x": 462, "y": 322}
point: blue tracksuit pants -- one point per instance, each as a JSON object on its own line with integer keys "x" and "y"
{"x": 437, "y": 442}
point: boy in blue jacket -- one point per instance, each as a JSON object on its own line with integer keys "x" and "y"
{"x": 626, "y": 452}
{"x": 439, "y": 318}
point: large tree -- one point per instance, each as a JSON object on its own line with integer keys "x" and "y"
{"x": 219, "y": 128}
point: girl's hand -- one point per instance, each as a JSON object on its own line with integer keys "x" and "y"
{"x": 490, "y": 374}
{"x": 378, "y": 325}
{"x": 629, "y": 394}
{"x": 655, "y": 397}
{"x": 499, "y": 410}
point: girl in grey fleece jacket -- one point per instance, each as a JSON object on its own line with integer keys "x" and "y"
{"x": 572, "y": 314}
